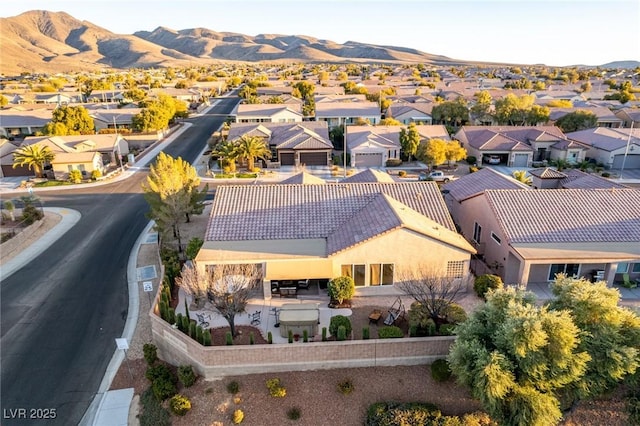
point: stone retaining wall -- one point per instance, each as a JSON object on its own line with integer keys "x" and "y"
{"x": 10, "y": 245}
{"x": 213, "y": 362}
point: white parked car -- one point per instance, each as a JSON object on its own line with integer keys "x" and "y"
{"x": 493, "y": 159}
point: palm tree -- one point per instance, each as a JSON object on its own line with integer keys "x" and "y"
{"x": 252, "y": 147}
{"x": 34, "y": 157}
{"x": 228, "y": 153}
{"x": 521, "y": 176}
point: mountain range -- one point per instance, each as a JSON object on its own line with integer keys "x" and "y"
{"x": 41, "y": 41}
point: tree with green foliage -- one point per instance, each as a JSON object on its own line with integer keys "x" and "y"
{"x": 173, "y": 195}
{"x": 454, "y": 152}
{"x": 341, "y": 289}
{"x": 451, "y": 113}
{"x": 522, "y": 176}
{"x": 34, "y": 156}
{"x": 482, "y": 104}
{"x": 409, "y": 140}
{"x": 251, "y": 147}
{"x": 520, "y": 111}
{"x": 134, "y": 95}
{"x": 577, "y": 120}
{"x": 3, "y": 101}
{"x": 432, "y": 152}
{"x": 389, "y": 122}
{"x": 515, "y": 356}
{"x": 610, "y": 333}
{"x": 227, "y": 152}
{"x": 69, "y": 120}
{"x": 304, "y": 90}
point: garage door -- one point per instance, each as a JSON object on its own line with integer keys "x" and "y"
{"x": 520, "y": 160}
{"x": 368, "y": 160}
{"x": 286, "y": 159}
{"x": 632, "y": 161}
{"x": 313, "y": 158}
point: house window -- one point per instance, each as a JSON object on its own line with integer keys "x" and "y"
{"x": 477, "y": 232}
{"x": 569, "y": 269}
{"x": 495, "y": 238}
{"x": 381, "y": 274}
{"x": 81, "y": 167}
{"x": 623, "y": 268}
{"x": 69, "y": 167}
{"x": 635, "y": 268}
{"x": 455, "y": 269}
{"x": 356, "y": 272}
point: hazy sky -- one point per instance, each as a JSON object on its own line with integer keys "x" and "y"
{"x": 553, "y": 32}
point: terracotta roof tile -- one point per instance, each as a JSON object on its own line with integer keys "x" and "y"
{"x": 475, "y": 183}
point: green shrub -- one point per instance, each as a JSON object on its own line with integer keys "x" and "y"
{"x": 408, "y": 413}
{"x": 152, "y": 413}
{"x": 293, "y": 413}
{"x": 96, "y": 174}
{"x": 290, "y": 336}
{"x": 342, "y": 333}
{"x": 471, "y": 160}
{"x": 193, "y": 330}
{"x": 238, "y": 417}
{"x": 171, "y": 315}
{"x": 179, "y": 321}
{"x": 345, "y": 386}
{"x": 186, "y": 324}
{"x": 341, "y": 289}
{"x": 228, "y": 337}
{"x": 324, "y": 334}
{"x": 447, "y": 329}
{"x": 163, "y": 388}
{"x": 276, "y": 390}
{"x": 186, "y": 375}
{"x": 305, "y": 335}
{"x": 605, "y": 174}
{"x": 200, "y": 335}
{"x": 430, "y": 329}
{"x": 269, "y": 337}
{"x": 365, "y": 333}
{"x": 206, "y": 338}
{"x": 390, "y": 332}
{"x": 158, "y": 371}
{"x": 150, "y": 352}
{"x": 180, "y": 405}
{"x": 336, "y": 322}
{"x": 252, "y": 338}
{"x": 233, "y": 387}
{"x": 473, "y": 169}
{"x": 30, "y": 214}
{"x": 193, "y": 247}
{"x": 440, "y": 370}
{"x": 486, "y": 282}
{"x": 413, "y": 330}
{"x": 455, "y": 314}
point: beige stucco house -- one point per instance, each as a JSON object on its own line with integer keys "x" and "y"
{"x": 369, "y": 231}
{"x": 527, "y": 236}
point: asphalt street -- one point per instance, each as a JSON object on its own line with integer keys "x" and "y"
{"x": 61, "y": 313}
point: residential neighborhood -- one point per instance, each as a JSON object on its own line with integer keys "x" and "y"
{"x": 254, "y": 222}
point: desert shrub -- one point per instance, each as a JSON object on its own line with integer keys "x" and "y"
{"x": 390, "y": 332}
{"x": 252, "y": 338}
{"x": 324, "y": 334}
{"x": 293, "y": 413}
{"x": 455, "y": 314}
{"x": 186, "y": 375}
{"x": 171, "y": 315}
{"x": 163, "y": 388}
{"x": 473, "y": 169}
{"x": 96, "y": 174}
{"x": 269, "y": 338}
{"x": 342, "y": 333}
{"x": 305, "y": 336}
{"x": 238, "y": 417}
{"x": 430, "y": 328}
{"x": 150, "y": 352}
{"x": 178, "y": 319}
{"x": 75, "y": 176}
{"x": 276, "y": 390}
{"x": 341, "y": 289}
{"x": 180, "y": 405}
{"x": 193, "y": 330}
{"x": 440, "y": 370}
{"x": 486, "y": 282}
{"x": 402, "y": 173}
{"x": 228, "y": 337}
{"x": 31, "y": 214}
{"x": 290, "y": 336}
{"x": 407, "y": 413}
{"x": 233, "y": 387}
{"x": 345, "y": 386}
{"x": 200, "y": 335}
{"x": 477, "y": 418}
{"x": 393, "y": 162}
{"x": 152, "y": 413}
{"x": 605, "y": 174}
{"x": 336, "y": 322}
{"x": 471, "y": 160}
{"x": 206, "y": 338}
{"x": 157, "y": 371}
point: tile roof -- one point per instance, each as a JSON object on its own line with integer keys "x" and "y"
{"x": 607, "y": 139}
{"x": 547, "y": 173}
{"x": 576, "y": 179}
{"x": 303, "y": 178}
{"x": 271, "y": 212}
{"x": 369, "y": 175}
{"x": 567, "y": 216}
{"x": 383, "y": 136}
{"x": 473, "y": 184}
{"x": 302, "y": 135}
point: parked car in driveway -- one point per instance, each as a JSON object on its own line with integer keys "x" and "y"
{"x": 493, "y": 159}
{"x": 437, "y": 176}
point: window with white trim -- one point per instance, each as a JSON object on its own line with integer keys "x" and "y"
{"x": 635, "y": 268}
{"x": 381, "y": 274}
{"x": 354, "y": 271}
{"x": 623, "y": 268}
{"x": 455, "y": 268}
{"x": 495, "y": 238}
{"x": 477, "y": 232}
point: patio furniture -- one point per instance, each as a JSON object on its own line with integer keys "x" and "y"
{"x": 395, "y": 311}
{"x": 255, "y": 318}
{"x": 375, "y": 315}
{"x": 298, "y": 317}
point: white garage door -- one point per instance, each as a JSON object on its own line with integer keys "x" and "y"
{"x": 632, "y": 161}
{"x": 520, "y": 160}
{"x": 369, "y": 160}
